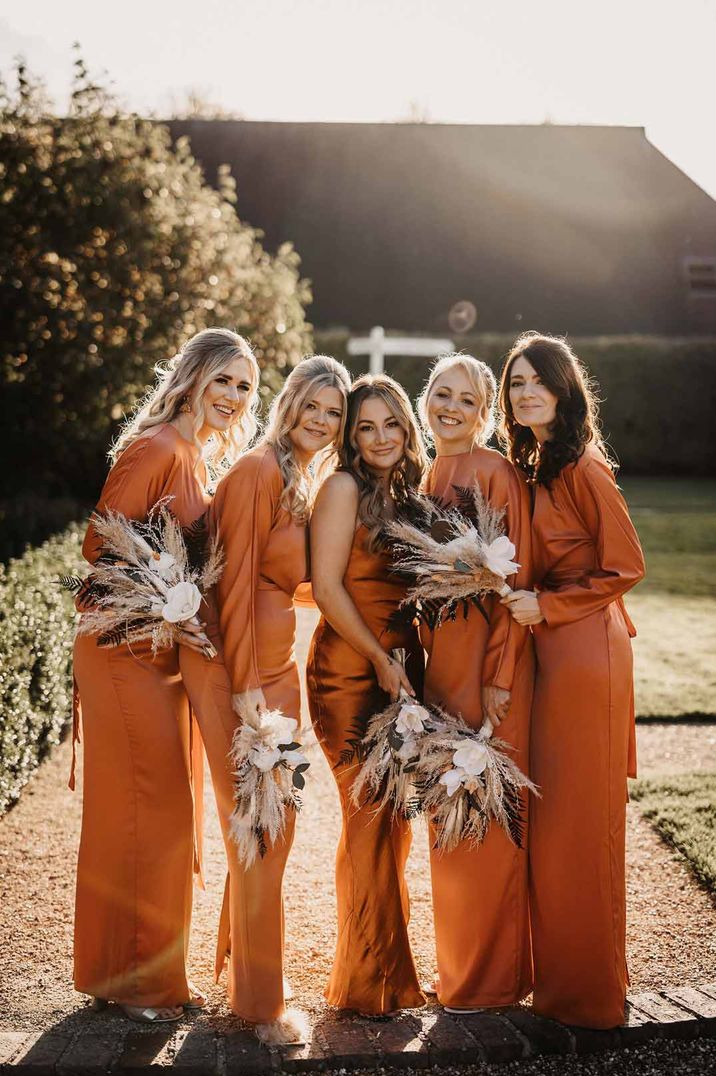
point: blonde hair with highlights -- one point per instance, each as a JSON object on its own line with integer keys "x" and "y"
{"x": 483, "y": 384}
{"x": 407, "y": 475}
{"x": 305, "y": 381}
{"x": 201, "y": 359}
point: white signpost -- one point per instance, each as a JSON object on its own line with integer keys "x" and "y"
{"x": 378, "y": 345}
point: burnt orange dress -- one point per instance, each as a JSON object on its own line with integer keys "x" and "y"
{"x": 373, "y": 969}
{"x": 586, "y": 555}
{"x": 266, "y": 561}
{"x": 480, "y": 895}
{"x": 137, "y": 847}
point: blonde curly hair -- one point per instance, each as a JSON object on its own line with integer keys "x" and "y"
{"x": 303, "y": 383}
{"x": 201, "y": 359}
{"x": 484, "y": 386}
{"x": 407, "y": 475}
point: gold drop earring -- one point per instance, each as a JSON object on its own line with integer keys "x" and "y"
{"x": 185, "y": 408}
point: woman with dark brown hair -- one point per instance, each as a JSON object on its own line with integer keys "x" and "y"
{"x": 586, "y": 555}
{"x": 351, "y": 675}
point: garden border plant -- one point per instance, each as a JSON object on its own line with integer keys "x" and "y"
{"x": 36, "y": 636}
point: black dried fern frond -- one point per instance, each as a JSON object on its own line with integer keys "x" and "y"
{"x": 465, "y": 503}
{"x": 73, "y": 583}
{"x": 112, "y": 638}
{"x": 353, "y": 752}
{"x": 196, "y": 540}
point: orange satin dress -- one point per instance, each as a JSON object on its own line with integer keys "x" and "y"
{"x": 137, "y": 847}
{"x": 373, "y": 969}
{"x": 586, "y": 554}
{"x": 266, "y": 561}
{"x": 480, "y": 895}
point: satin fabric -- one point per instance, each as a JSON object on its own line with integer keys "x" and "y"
{"x": 586, "y": 556}
{"x": 480, "y": 895}
{"x": 266, "y": 561}
{"x": 137, "y": 846}
{"x": 373, "y": 969}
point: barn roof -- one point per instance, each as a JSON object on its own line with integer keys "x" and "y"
{"x": 581, "y": 229}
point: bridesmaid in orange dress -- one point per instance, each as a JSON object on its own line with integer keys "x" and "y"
{"x": 481, "y": 666}
{"x": 260, "y": 512}
{"x": 138, "y": 848}
{"x": 586, "y": 555}
{"x": 351, "y": 674}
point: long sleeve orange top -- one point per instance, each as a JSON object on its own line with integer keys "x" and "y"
{"x": 586, "y": 551}
{"x": 266, "y": 555}
{"x": 160, "y": 463}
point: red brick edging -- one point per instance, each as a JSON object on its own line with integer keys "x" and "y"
{"x": 92, "y": 1045}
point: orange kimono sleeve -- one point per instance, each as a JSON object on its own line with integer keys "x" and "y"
{"x": 133, "y": 486}
{"x": 620, "y": 562}
{"x": 242, "y": 514}
{"x": 507, "y": 638}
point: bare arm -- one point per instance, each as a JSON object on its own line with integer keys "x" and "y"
{"x": 333, "y": 527}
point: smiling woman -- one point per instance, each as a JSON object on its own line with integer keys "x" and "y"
{"x": 260, "y": 513}
{"x": 586, "y": 556}
{"x": 349, "y": 673}
{"x": 137, "y": 849}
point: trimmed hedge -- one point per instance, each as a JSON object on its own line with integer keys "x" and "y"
{"x": 659, "y": 394}
{"x": 36, "y": 636}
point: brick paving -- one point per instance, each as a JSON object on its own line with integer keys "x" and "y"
{"x": 92, "y": 1044}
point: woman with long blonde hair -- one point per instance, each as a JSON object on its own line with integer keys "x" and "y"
{"x": 261, "y": 512}
{"x": 137, "y": 848}
{"x": 480, "y": 665}
{"x": 352, "y": 673}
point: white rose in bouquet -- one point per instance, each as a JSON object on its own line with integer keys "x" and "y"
{"x": 183, "y": 601}
{"x": 471, "y": 757}
{"x": 498, "y": 555}
{"x": 276, "y": 728}
{"x": 264, "y": 758}
{"x": 411, "y": 719}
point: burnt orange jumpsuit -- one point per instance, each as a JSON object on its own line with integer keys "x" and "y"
{"x": 137, "y": 847}
{"x": 373, "y": 969}
{"x": 266, "y": 561}
{"x": 586, "y": 554}
{"x": 480, "y": 895}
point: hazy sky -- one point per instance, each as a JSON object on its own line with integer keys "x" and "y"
{"x": 635, "y": 62}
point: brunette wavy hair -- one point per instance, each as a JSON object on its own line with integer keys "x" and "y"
{"x": 407, "y": 475}
{"x": 312, "y": 374}
{"x": 576, "y": 423}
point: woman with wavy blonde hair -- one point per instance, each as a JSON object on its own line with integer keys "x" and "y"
{"x": 352, "y": 673}
{"x": 137, "y": 848}
{"x": 260, "y": 513}
{"x": 480, "y": 665}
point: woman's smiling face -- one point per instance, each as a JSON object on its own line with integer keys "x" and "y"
{"x": 225, "y": 398}
{"x": 454, "y": 411}
{"x": 533, "y": 404}
{"x": 379, "y": 436}
{"x": 318, "y": 424}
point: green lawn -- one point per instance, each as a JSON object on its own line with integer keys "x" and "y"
{"x": 682, "y": 809}
{"x": 674, "y": 609}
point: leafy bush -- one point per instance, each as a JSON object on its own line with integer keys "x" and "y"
{"x": 659, "y": 394}
{"x": 113, "y": 251}
{"x": 36, "y": 634}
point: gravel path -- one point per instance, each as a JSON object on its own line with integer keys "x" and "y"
{"x": 671, "y": 929}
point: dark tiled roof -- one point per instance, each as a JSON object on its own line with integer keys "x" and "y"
{"x": 579, "y": 229}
